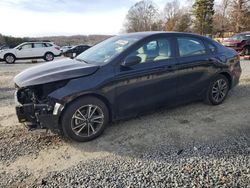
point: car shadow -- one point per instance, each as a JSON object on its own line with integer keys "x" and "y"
{"x": 189, "y": 130}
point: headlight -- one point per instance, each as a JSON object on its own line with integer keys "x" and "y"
{"x": 17, "y": 103}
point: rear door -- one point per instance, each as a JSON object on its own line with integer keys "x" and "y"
{"x": 149, "y": 84}
{"x": 194, "y": 67}
{"x": 39, "y": 49}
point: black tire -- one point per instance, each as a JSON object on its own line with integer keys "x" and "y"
{"x": 217, "y": 96}
{"x": 49, "y": 56}
{"x": 9, "y": 58}
{"x": 74, "y": 121}
{"x": 246, "y": 50}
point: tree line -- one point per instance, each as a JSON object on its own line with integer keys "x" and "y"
{"x": 201, "y": 16}
{"x": 11, "y": 41}
{"x": 59, "y": 40}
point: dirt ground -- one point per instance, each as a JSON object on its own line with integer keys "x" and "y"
{"x": 194, "y": 130}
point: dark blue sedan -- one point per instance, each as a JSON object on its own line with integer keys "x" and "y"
{"x": 122, "y": 77}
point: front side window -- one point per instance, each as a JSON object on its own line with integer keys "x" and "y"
{"x": 154, "y": 51}
{"x": 26, "y": 46}
{"x": 107, "y": 50}
{"x": 189, "y": 46}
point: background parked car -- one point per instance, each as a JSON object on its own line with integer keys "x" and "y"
{"x": 31, "y": 50}
{"x": 4, "y": 47}
{"x": 65, "y": 48}
{"x": 240, "y": 42}
{"x": 76, "y": 50}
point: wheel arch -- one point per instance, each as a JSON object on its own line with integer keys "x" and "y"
{"x": 95, "y": 95}
{"x": 48, "y": 52}
{"x": 9, "y": 53}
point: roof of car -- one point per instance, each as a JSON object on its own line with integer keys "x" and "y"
{"x": 151, "y": 33}
{"x": 39, "y": 41}
{"x": 245, "y": 32}
{"x": 81, "y": 45}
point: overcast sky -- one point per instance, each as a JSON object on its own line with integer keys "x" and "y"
{"x": 34, "y": 18}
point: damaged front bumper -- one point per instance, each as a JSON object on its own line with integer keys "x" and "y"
{"x": 39, "y": 116}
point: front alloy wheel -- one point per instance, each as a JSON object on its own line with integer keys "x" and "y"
{"x": 85, "y": 119}
{"x": 10, "y": 59}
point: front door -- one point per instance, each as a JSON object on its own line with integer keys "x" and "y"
{"x": 25, "y": 51}
{"x": 149, "y": 84}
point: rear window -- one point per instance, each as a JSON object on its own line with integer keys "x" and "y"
{"x": 48, "y": 44}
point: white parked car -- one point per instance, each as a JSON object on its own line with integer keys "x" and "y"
{"x": 31, "y": 50}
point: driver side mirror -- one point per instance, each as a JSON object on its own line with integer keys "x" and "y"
{"x": 130, "y": 61}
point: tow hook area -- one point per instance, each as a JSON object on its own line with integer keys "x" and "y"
{"x": 33, "y": 128}
{"x": 39, "y": 116}
{"x": 31, "y": 112}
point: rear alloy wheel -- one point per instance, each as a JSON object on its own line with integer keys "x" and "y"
{"x": 10, "y": 59}
{"x": 49, "y": 57}
{"x": 218, "y": 90}
{"x": 85, "y": 119}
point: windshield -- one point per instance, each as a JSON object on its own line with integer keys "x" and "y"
{"x": 241, "y": 37}
{"x": 107, "y": 50}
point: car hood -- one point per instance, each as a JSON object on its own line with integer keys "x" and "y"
{"x": 54, "y": 71}
{"x": 6, "y": 50}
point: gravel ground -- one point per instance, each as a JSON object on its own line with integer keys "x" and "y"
{"x": 195, "y": 145}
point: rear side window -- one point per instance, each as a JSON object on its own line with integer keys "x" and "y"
{"x": 189, "y": 46}
{"x": 39, "y": 45}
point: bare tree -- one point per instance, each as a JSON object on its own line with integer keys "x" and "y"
{"x": 221, "y": 18}
{"x": 141, "y": 17}
{"x": 184, "y": 23}
{"x": 240, "y": 15}
{"x": 1, "y": 39}
{"x": 172, "y": 14}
